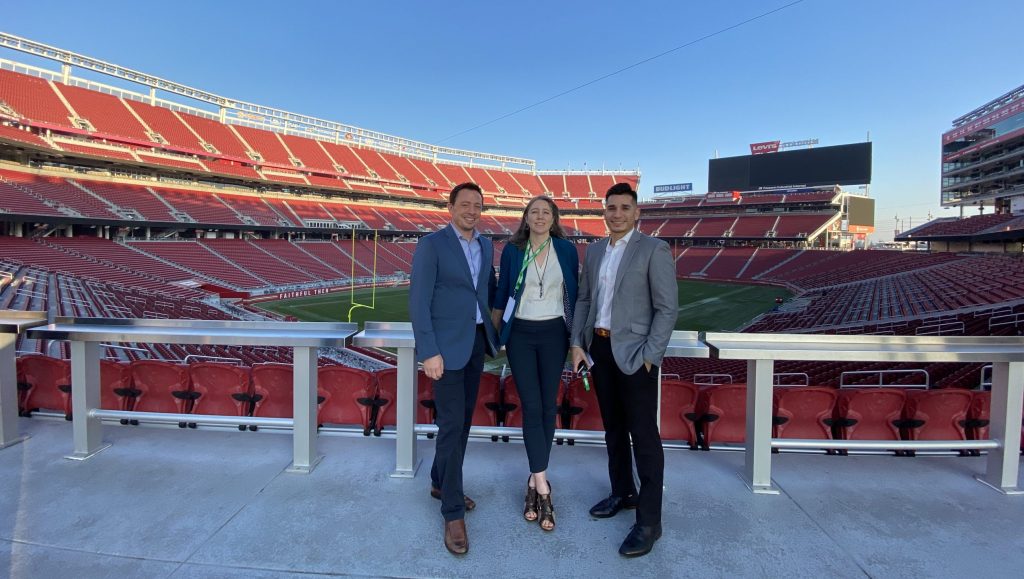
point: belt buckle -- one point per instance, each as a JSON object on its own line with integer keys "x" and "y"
{"x": 603, "y": 332}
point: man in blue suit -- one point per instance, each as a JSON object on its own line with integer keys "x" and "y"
{"x": 450, "y": 297}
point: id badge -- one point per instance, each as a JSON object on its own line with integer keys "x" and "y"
{"x": 510, "y": 308}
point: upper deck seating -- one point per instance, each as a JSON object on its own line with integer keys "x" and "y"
{"x": 107, "y": 113}
{"x": 34, "y": 99}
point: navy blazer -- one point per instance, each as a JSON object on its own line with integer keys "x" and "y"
{"x": 512, "y": 260}
{"x": 443, "y": 302}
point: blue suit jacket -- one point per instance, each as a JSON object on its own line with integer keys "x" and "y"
{"x": 512, "y": 260}
{"x": 443, "y": 302}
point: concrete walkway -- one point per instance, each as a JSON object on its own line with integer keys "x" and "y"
{"x": 163, "y": 502}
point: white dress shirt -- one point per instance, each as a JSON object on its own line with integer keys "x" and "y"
{"x": 474, "y": 258}
{"x": 606, "y": 280}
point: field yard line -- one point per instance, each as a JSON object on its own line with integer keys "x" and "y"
{"x": 711, "y": 299}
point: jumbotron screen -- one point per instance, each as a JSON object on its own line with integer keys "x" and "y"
{"x": 838, "y": 165}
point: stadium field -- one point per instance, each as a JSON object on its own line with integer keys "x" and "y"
{"x": 702, "y": 305}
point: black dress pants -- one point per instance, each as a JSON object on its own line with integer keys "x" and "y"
{"x": 536, "y": 354}
{"x": 454, "y": 399}
{"x": 629, "y": 407}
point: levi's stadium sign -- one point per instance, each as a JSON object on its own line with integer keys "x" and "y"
{"x": 675, "y": 188}
{"x": 765, "y": 147}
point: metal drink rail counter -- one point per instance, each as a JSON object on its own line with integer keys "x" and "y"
{"x": 400, "y": 335}
{"x": 12, "y": 323}
{"x": 762, "y": 350}
{"x": 686, "y": 344}
{"x": 86, "y": 334}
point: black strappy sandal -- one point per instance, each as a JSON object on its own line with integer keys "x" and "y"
{"x": 547, "y": 510}
{"x": 531, "y": 502}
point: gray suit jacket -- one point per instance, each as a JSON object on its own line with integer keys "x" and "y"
{"x": 644, "y": 307}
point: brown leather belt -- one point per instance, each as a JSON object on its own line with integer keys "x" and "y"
{"x": 603, "y": 332}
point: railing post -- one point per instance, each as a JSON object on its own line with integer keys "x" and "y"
{"x": 8, "y": 392}
{"x": 758, "y": 469}
{"x": 1007, "y": 398}
{"x": 304, "y": 426}
{"x": 85, "y": 396}
{"x": 406, "y": 463}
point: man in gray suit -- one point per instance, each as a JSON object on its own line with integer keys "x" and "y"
{"x": 625, "y": 313}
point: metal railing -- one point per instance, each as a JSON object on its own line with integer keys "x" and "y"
{"x": 1007, "y": 319}
{"x": 1006, "y": 355}
{"x": 946, "y": 328}
{"x": 200, "y": 357}
{"x": 87, "y": 336}
{"x": 12, "y": 323}
{"x": 701, "y": 379}
{"x": 881, "y": 383}
{"x": 778, "y": 378}
{"x": 761, "y": 351}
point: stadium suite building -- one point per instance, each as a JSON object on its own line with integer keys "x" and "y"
{"x": 982, "y": 166}
{"x": 983, "y": 156}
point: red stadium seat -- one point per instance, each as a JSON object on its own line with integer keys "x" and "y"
{"x": 115, "y": 386}
{"x": 723, "y": 413}
{"x": 349, "y": 395}
{"x": 485, "y": 413}
{"x": 274, "y": 394}
{"x": 160, "y": 387}
{"x": 678, "y": 411}
{"x": 272, "y": 391}
{"x": 511, "y": 405}
{"x": 937, "y": 414}
{"x": 387, "y": 391}
{"x": 979, "y": 415}
{"x": 223, "y": 389}
{"x": 803, "y": 412}
{"x": 584, "y": 411}
{"x": 978, "y": 424}
{"x": 46, "y": 383}
{"x": 870, "y": 413}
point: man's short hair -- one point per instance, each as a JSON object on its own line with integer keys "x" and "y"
{"x": 467, "y": 185}
{"x": 621, "y": 189}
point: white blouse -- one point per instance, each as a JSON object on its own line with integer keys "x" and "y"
{"x": 549, "y": 276}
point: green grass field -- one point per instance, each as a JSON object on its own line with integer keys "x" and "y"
{"x": 702, "y": 305}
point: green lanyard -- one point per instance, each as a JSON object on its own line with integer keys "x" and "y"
{"x": 530, "y": 257}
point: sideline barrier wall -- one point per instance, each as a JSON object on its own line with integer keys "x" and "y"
{"x": 12, "y": 323}
{"x": 762, "y": 350}
{"x": 86, "y": 334}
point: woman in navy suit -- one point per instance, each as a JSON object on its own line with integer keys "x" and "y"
{"x": 537, "y": 294}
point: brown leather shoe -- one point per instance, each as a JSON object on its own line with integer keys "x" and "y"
{"x": 455, "y": 538}
{"x": 436, "y": 493}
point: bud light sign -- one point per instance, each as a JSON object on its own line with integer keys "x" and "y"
{"x": 676, "y": 188}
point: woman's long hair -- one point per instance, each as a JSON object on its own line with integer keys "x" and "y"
{"x": 522, "y": 233}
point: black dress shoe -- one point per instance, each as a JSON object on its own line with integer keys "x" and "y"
{"x": 610, "y": 506}
{"x": 640, "y": 540}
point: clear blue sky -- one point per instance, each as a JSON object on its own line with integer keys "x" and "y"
{"x": 833, "y": 70}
